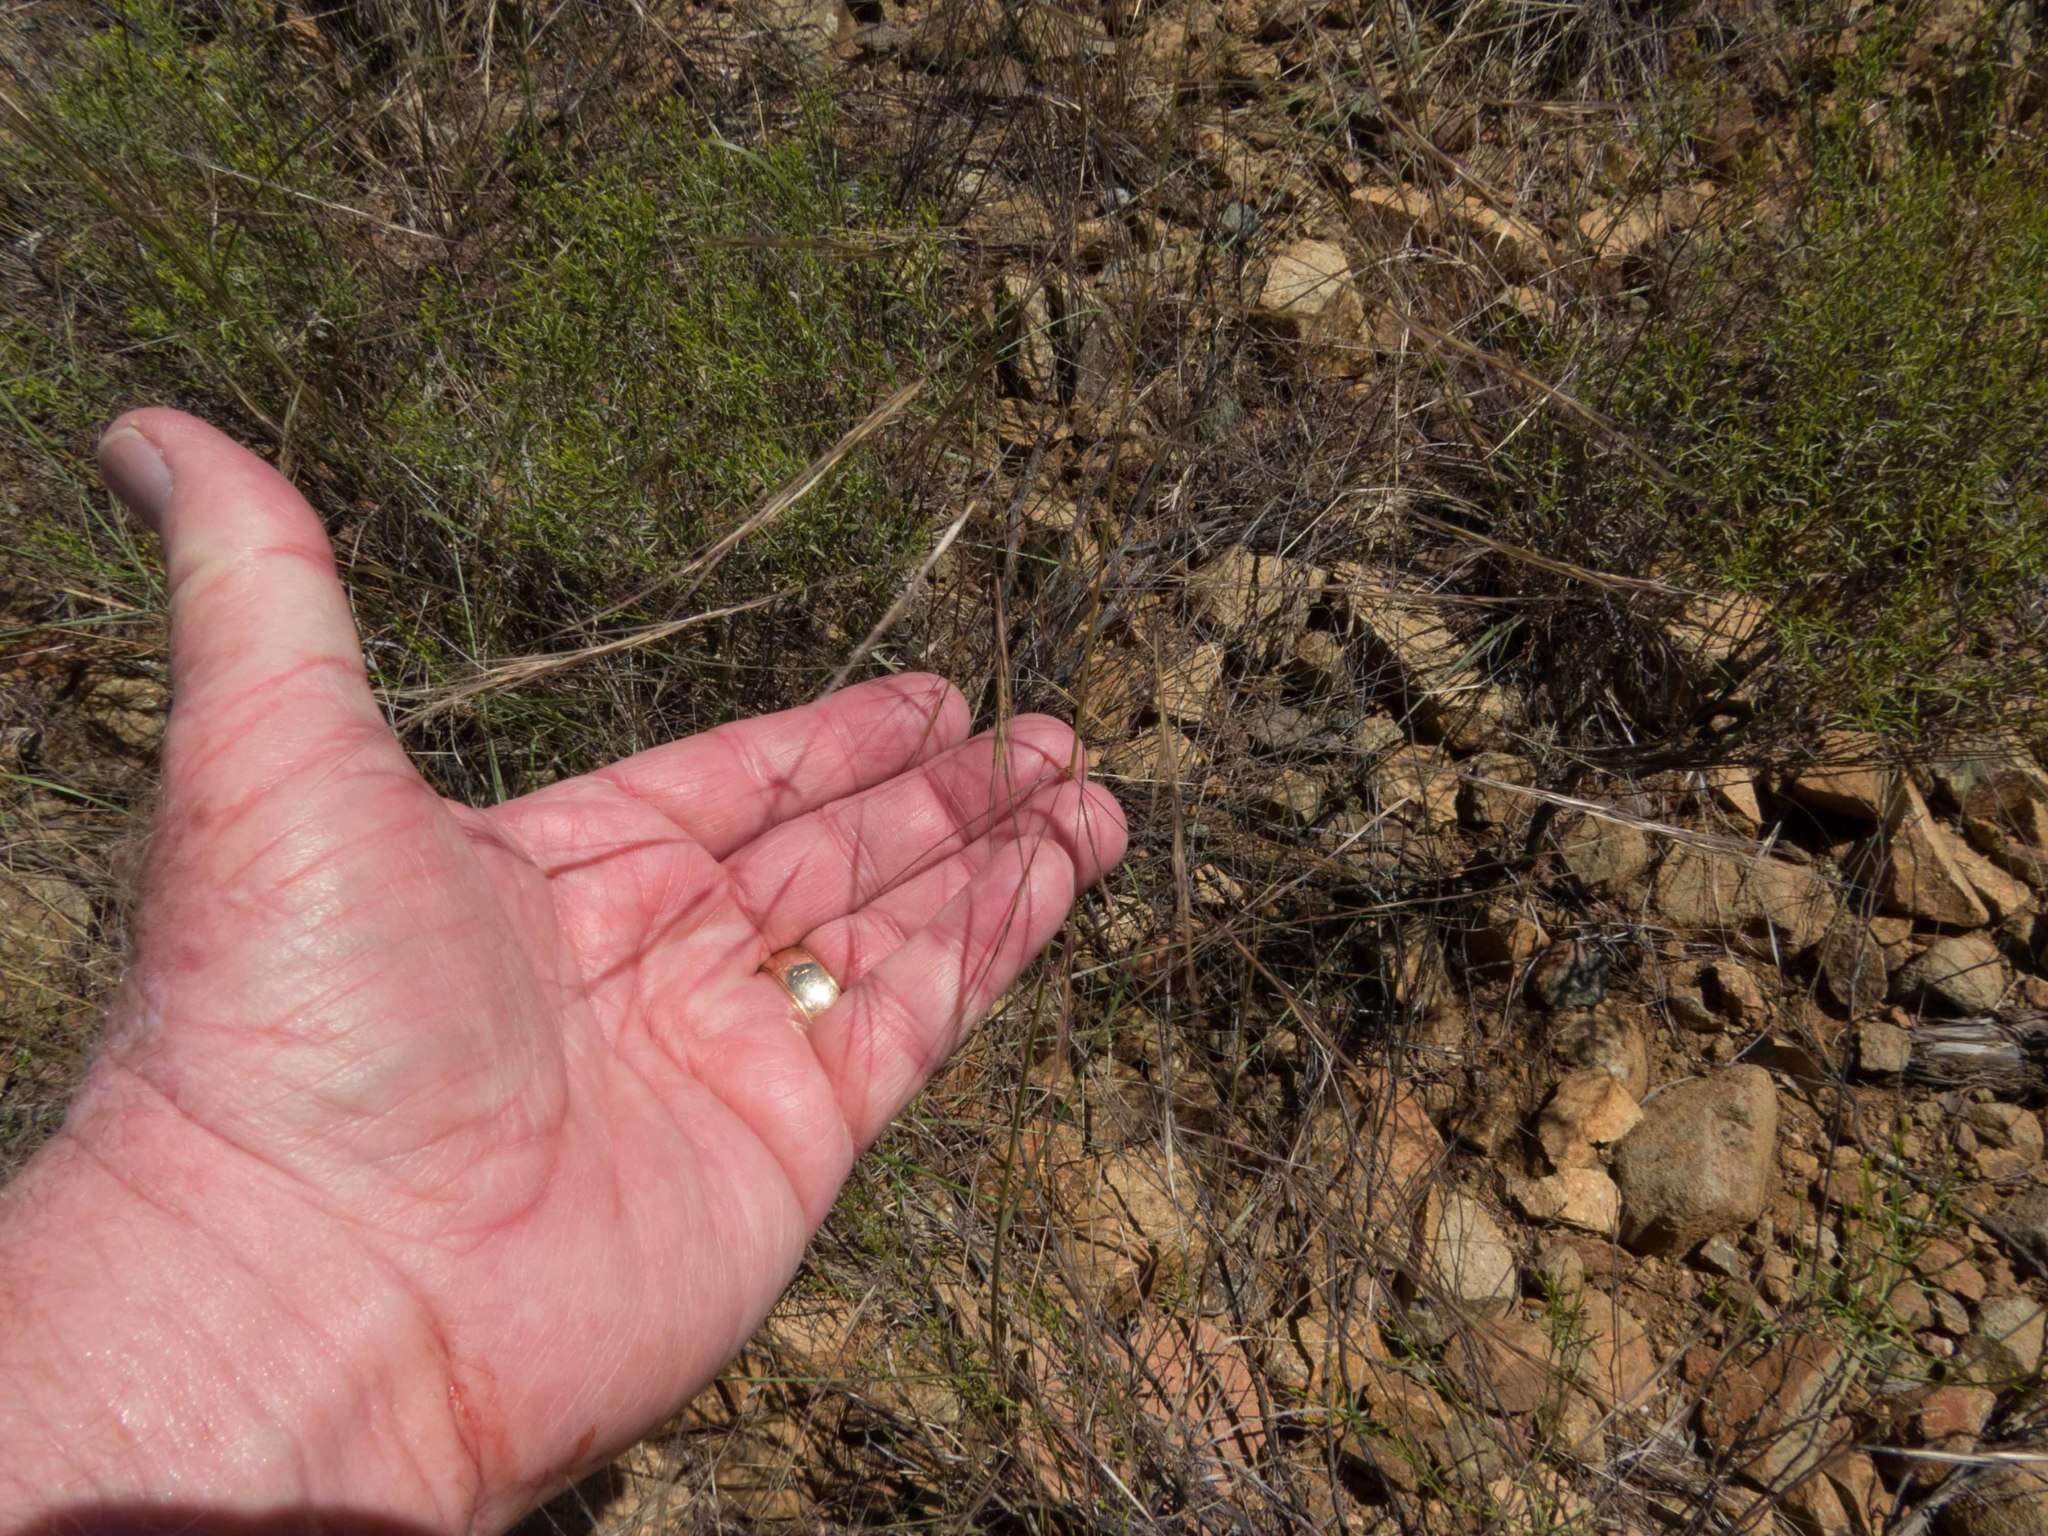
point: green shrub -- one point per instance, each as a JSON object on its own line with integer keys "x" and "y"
{"x": 1849, "y": 398}
{"x": 532, "y": 395}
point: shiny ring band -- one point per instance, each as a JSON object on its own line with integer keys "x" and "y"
{"x": 809, "y": 985}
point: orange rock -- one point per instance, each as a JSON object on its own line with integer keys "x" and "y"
{"x": 1734, "y": 788}
{"x": 1402, "y": 1146}
{"x": 1182, "y": 1384}
{"x": 1338, "y": 1356}
{"x": 1617, "y": 232}
{"x": 1585, "y": 1198}
{"x": 1942, "y": 1263}
{"x": 1125, "y": 1222}
{"x": 1771, "y": 1415}
{"x": 2006, "y": 816}
{"x": 1765, "y": 905}
{"x": 1855, "y": 1480}
{"x": 1915, "y": 868}
{"x": 1952, "y": 1415}
{"x": 1198, "y": 1383}
{"x": 2003, "y": 896}
{"x": 1505, "y": 1363}
{"x": 1715, "y": 628}
{"x": 1308, "y": 296}
{"x": 1817, "y": 1507}
{"x": 1701, "y": 1161}
{"x": 1854, "y": 781}
{"x": 1619, "y": 1364}
{"x": 1587, "y": 1109}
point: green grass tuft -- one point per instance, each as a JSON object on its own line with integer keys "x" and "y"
{"x": 1850, "y": 399}
{"x": 537, "y": 392}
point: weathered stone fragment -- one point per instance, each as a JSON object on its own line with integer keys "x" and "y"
{"x": 1958, "y": 973}
{"x": 2006, "y": 816}
{"x": 1604, "y": 856}
{"x": 1588, "y": 1109}
{"x": 1701, "y": 1161}
{"x": 1585, "y": 1198}
{"x": 1464, "y": 1254}
{"x": 1852, "y": 964}
{"x": 1853, "y": 780}
{"x": 1189, "y": 682}
{"x": 1451, "y": 698}
{"x": 1772, "y": 1415}
{"x": 1766, "y": 906}
{"x": 1239, "y": 588}
{"x": 1308, "y": 296}
{"x": 1913, "y": 866}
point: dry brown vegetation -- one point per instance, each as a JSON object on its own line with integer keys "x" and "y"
{"x": 1535, "y": 508}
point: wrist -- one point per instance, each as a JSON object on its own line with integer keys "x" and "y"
{"x": 185, "y": 1332}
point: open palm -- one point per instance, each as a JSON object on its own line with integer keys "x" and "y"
{"x": 523, "y": 1060}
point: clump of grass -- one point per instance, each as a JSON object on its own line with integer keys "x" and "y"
{"x": 536, "y": 381}
{"x": 643, "y": 362}
{"x": 1849, "y": 400}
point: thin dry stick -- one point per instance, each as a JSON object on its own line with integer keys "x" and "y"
{"x": 1599, "y": 425}
{"x": 903, "y": 598}
{"x": 1606, "y": 580}
{"x": 1487, "y": 193}
{"x": 207, "y": 164}
{"x": 525, "y": 669}
{"x": 1713, "y": 841}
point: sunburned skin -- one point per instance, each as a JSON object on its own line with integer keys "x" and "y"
{"x": 461, "y": 1146}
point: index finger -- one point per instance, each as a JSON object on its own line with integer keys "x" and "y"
{"x": 726, "y": 786}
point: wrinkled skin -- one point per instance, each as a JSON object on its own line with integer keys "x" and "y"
{"x": 494, "y": 1112}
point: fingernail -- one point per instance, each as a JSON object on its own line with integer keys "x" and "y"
{"x": 136, "y": 472}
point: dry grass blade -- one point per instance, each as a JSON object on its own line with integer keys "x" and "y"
{"x": 700, "y": 567}
{"x": 1600, "y": 810}
{"x": 1577, "y": 410}
{"x": 126, "y": 205}
{"x": 900, "y": 606}
{"x": 522, "y": 670}
{"x": 1605, "y": 581}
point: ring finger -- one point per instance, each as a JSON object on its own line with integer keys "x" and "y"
{"x": 1084, "y": 818}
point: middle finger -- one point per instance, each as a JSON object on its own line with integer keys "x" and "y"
{"x": 839, "y": 858}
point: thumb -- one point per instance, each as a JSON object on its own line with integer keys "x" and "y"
{"x": 266, "y": 669}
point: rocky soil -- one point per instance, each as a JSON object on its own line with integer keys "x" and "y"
{"x": 1712, "y": 1189}
{"x": 1666, "y": 1148}
{"x": 1509, "y": 1088}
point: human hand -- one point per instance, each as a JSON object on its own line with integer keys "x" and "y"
{"x": 433, "y": 1153}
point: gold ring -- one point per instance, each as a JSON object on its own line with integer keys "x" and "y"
{"x": 809, "y": 985}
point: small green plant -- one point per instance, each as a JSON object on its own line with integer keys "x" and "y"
{"x": 1846, "y": 400}
{"x": 1888, "y": 1226}
{"x": 1564, "y": 1324}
